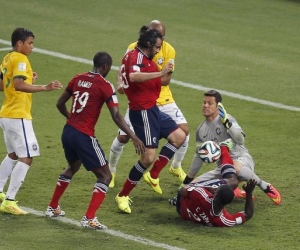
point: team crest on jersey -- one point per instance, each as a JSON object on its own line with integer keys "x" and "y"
{"x": 160, "y": 61}
{"x": 218, "y": 130}
{"x": 34, "y": 147}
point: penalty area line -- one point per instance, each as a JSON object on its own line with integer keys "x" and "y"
{"x": 107, "y": 231}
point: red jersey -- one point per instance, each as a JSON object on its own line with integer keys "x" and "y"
{"x": 89, "y": 92}
{"x": 141, "y": 95}
{"x": 196, "y": 206}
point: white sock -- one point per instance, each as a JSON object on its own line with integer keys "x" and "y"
{"x": 6, "y": 168}
{"x": 16, "y": 179}
{"x": 116, "y": 150}
{"x": 180, "y": 153}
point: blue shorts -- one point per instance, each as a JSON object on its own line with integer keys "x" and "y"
{"x": 151, "y": 125}
{"x": 79, "y": 146}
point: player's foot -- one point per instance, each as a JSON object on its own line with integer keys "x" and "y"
{"x": 178, "y": 172}
{"x": 11, "y": 207}
{"x": 240, "y": 194}
{"x": 112, "y": 182}
{"x": 2, "y": 196}
{"x": 229, "y": 143}
{"x": 274, "y": 195}
{"x": 54, "y": 212}
{"x": 92, "y": 223}
{"x": 153, "y": 183}
{"x": 124, "y": 203}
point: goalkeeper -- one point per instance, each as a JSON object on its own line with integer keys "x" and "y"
{"x": 219, "y": 126}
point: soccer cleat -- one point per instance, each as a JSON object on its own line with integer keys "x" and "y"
{"x": 124, "y": 203}
{"x": 112, "y": 182}
{"x": 178, "y": 172}
{"x": 229, "y": 143}
{"x": 240, "y": 194}
{"x": 54, "y": 212}
{"x": 2, "y": 197}
{"x": 92, "y": 223}
{"x": 223, "y": 116}
{"x": 274, "y": 195}
{"x": 11, "y": 207}
{"x": 173, "y": 201}
{"x": 153, "y": 183}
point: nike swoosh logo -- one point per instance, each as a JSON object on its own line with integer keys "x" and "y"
{"x": 154, "y": 185}
{"x": 276, "y": 199}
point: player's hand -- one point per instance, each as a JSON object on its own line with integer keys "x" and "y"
{"x": 139, "y": 145}
{"x": 53, "y": 85}
{"x": 249, "y": 186}
{"x": 167, "y": 69}
{"x": 34, "y": 77}
{"x": 223, "y": 116}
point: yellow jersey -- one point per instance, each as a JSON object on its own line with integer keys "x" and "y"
{"x": 16, "y": 104}
{"x": 166, "y": 54}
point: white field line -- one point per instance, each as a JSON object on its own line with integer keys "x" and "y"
{"x": 180, "y": 83}
{"x": 108, "y": 231}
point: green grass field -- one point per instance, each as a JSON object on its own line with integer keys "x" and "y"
{"x": 249, "y": 50}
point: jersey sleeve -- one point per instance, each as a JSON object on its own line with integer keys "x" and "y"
{"x": 238, "y": 217}
{"x": 20, "y": 67}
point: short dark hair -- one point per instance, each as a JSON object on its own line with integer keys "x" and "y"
{"x": 101, "y": 58}
{"x": 20, "y": 34}
{"x": 215, "y": 94}
{"x": 148, "y": 37}
{"x": 225, "y": 194}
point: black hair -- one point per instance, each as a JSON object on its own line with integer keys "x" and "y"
{"x": 102, "y": 58}
{"x": 225, "y": 194}
{"x": 20, "y": 34}
{"x": 148, "y": 37}
{"x": 215, "y": 94}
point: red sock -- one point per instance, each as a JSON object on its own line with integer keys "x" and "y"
{"x": 127, "y": 187}
{"x": 97, "y": 199}
{"x": 158, "y": 165}
{"x": 225, "y": 156}
{"x": 60, "y": 188}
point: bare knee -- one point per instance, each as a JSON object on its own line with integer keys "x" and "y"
{"x": 123, "y": 138}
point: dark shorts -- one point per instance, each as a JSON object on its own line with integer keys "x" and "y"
{"x": 151, "y": 125}
{"x": 79, "y": 146}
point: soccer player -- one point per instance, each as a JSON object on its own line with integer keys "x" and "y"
{"x": 89, "y": 91}
{"x": 204, "y": 202}
{"x": 17, "y": 82}
{"x": 166, "y": 104}
{"x": 142, "y": 84}
{"x": 219, "y": 126}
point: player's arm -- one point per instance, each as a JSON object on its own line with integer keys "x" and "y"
{"x": 138, "y": 76}
{"x": 21, "y": 85}
{"x": 233, "y": 128}
{"x": 120, "y": 122}
{"x": 61, "y": 103}
{"x": 1, "y": 81}
{"x": 195, "y": 166}
{"x": 249, "y": 206}
{"x": 120, "y": 82}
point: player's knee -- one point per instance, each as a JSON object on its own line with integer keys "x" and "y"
{"x": 123, "y": 138}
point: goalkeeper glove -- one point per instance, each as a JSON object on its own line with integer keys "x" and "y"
{"x": 223, "y": 116}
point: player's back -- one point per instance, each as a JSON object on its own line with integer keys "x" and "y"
{"x": 89, "y": 92}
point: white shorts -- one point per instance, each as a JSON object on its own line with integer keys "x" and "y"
{"x": 19, "y": 137}
{"x": 170, "y": 109}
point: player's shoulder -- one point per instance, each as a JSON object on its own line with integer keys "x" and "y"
{"x": 131, "y": 46}
{"x": 168, "y": 46}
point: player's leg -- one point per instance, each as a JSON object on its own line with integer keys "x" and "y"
{"x": 246, "y": 172}
{"x": 70, "y": 137}
{"x": 146, "y": 127}
{"x": 20, "y": 135}
{"x": 176, "y": 137}
{"x": 175, "y": 113}
{"x": 116, "y": 149}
